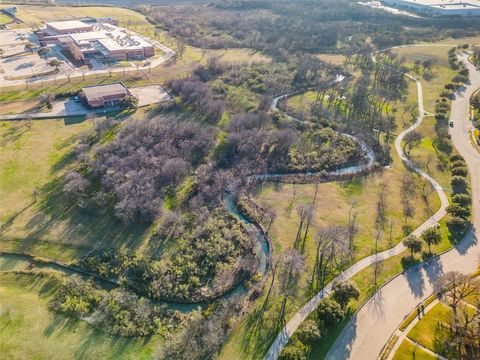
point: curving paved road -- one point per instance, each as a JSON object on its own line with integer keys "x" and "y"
{"x": 371, "y": 327}
{"x": 308, "y": 308}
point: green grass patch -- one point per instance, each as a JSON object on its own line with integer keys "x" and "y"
{"x": 408, "y": 351}
{"x": 31, "y": 331}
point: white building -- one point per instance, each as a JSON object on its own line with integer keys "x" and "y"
{"x": 439, "y": 7}
{"x": 100, "y": 38}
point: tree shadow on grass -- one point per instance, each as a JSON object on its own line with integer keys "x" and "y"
{"x": 82, "y": 231}
{"x": 60, "y": 323}
{"x": 260, "y": 331}
{"x": 115, "y": 345}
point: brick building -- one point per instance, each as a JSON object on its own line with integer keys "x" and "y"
{"x": 107, "y": 95}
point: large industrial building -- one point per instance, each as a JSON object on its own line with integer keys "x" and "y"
{"x": 439, "y": 7}
{"x": 100, "y": 39}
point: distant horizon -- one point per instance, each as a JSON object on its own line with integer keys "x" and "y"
{"x": 124, "y": 2}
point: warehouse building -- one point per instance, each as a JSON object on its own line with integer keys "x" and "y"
{"x": 439, "y": 7}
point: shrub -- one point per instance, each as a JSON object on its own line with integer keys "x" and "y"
{"x": 462, "y": 199}
{"x": 293, "y": 351}
{"x": 75, "y": 297}
{"x": 344, "y": 291}
{"x": 308, "y": 332}
{"x": 126, "y": 314}
{"x": 329, "y": 313}
{"x": 457, "y": 163}
{"x": 459, "y": 184}
{"x": 460, "y": 171}
{"x": 456, "y": 210}
{"x": 456, "y": 222}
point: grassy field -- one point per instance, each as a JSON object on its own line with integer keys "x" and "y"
{"x": 335, "y": 59}
{"x": 425, "y": 330}
{"x": 5, "y": 19}
{"x": 441, "y": 71}
{"x": 35, "y": 159}
{"x": 408, "y": 351}
{"x": 28, "y": 330}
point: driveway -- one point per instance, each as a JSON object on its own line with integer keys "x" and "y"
{"x": 147, "y": 95}
{"x": 371, "y": 327}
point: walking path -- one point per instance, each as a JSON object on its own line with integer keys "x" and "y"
{"x": 309, "y": 307}
{"x": 371, "y": 327}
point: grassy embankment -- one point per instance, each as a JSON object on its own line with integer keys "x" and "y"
{"x": 332, "y": 207}
{"x": 29, "y": 330}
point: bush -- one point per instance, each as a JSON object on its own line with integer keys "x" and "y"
{"x": 293, "y": 351}
{"x": 459, "y": 184}
{"x": 344, "y": 291}
{"x": 329, "y": 313}
{"x": 308, "y": 332}
{"x": 126, "y": 314}
{"x": 75, "y": 297}
{"x": 460, "y": 171}
{"x": 456, "y": 222}
{"x": 457, "y": 163}
{"x": 464, "y": 200}
{"x": 456, "y": 210}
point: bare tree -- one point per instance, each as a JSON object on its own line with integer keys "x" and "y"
{"x": 453, "y": 288}
{"x": 352, "y": 224}
{"x": 381, "y": 206}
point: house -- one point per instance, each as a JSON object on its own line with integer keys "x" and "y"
{"x": 98, "y": 96}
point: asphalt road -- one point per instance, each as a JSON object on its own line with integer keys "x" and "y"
{"x": 371, "y": 327}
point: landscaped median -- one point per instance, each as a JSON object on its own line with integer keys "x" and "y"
{"x": 475, "y": 117}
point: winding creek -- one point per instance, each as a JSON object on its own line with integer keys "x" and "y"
{"x": 15, "y": 261}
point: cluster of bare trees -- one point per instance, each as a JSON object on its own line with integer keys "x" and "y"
{"x": 460, "y": 340}
{"x": 282, "y": 28}
{"x": 195, "y": 92}
{"x": 146, "y": 160}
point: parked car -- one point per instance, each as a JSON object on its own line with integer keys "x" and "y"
{"x": 451, "y": 123}
{"x": 76, "y": 99}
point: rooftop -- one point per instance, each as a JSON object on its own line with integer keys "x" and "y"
{"x": 96, "y": 92}
{"x": 109, "y": 36}
{"x": 450, "y": 4}
{"x": 67, "y": 25}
